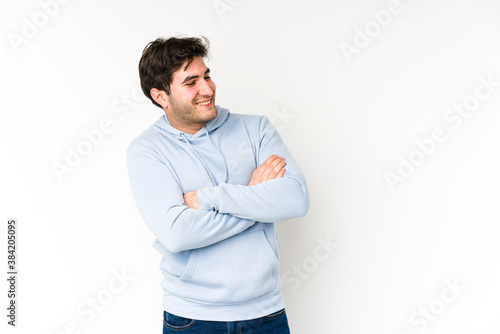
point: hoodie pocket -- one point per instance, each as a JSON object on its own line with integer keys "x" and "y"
{"x": 235, "y": 270}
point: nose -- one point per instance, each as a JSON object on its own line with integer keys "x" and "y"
{"x": 206, "y": 88}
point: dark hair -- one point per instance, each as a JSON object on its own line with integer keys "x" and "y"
{"x": 162, "y": 57}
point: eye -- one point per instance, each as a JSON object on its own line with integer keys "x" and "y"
{"x": 207, "y": 77}
{"x": 190, "y": 84}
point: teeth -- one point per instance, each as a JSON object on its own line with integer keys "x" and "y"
{"x": 204, "y": 103}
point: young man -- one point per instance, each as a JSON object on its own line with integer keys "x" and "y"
{"x": 210, "y": 185}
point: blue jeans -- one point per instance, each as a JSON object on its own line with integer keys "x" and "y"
{"x": 275, "y": 323}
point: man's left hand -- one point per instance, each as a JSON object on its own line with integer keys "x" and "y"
{"x": 191, "y": 200}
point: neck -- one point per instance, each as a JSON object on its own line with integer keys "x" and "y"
{"x": 186, "y": 128}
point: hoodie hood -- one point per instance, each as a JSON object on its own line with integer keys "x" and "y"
{"x": 222, "y": 115}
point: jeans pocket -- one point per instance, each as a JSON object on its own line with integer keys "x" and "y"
{"x": 176, "y": 322}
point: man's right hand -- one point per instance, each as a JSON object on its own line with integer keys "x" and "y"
{"x": 272, "y": 168}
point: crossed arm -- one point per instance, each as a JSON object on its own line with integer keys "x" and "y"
{"x": 170, "y": 214}
{"x": 272, "y": 194}
{"x": 182, "y": 221}
{"x": 272, "y": 168}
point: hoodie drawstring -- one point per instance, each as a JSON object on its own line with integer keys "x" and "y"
{"x": 203, "y": 162}
{"x": 220, "y": 155}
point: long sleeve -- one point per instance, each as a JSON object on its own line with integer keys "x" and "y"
{"x": 270, "y": 201}
{"x": 160, "y": 201}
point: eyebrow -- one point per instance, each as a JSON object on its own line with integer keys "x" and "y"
{"x": 194, "y": 77}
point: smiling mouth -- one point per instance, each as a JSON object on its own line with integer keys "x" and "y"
{"x": 204, "y": 103}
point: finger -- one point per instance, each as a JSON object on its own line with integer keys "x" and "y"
{"x": 269, "y": 160}
{"x": 253, "y": 179}
{"x": 261, "y": 169}
{"x": 268, "y": 173}
{"x": 261, "y": 173}
{"x": 258, "y": 172}
{"x": 187, "y": 196}
{"x": 281, "y": 173}
{"x": 276, "y": 170}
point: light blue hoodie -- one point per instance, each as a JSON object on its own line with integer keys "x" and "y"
{"x": 219, "y": 263}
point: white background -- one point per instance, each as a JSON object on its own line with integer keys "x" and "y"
{"x": 349, "y": 120}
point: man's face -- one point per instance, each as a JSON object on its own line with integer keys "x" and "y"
{"x": 192, "y": 97}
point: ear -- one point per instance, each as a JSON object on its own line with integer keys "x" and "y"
{"x": 160, "y": 97}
